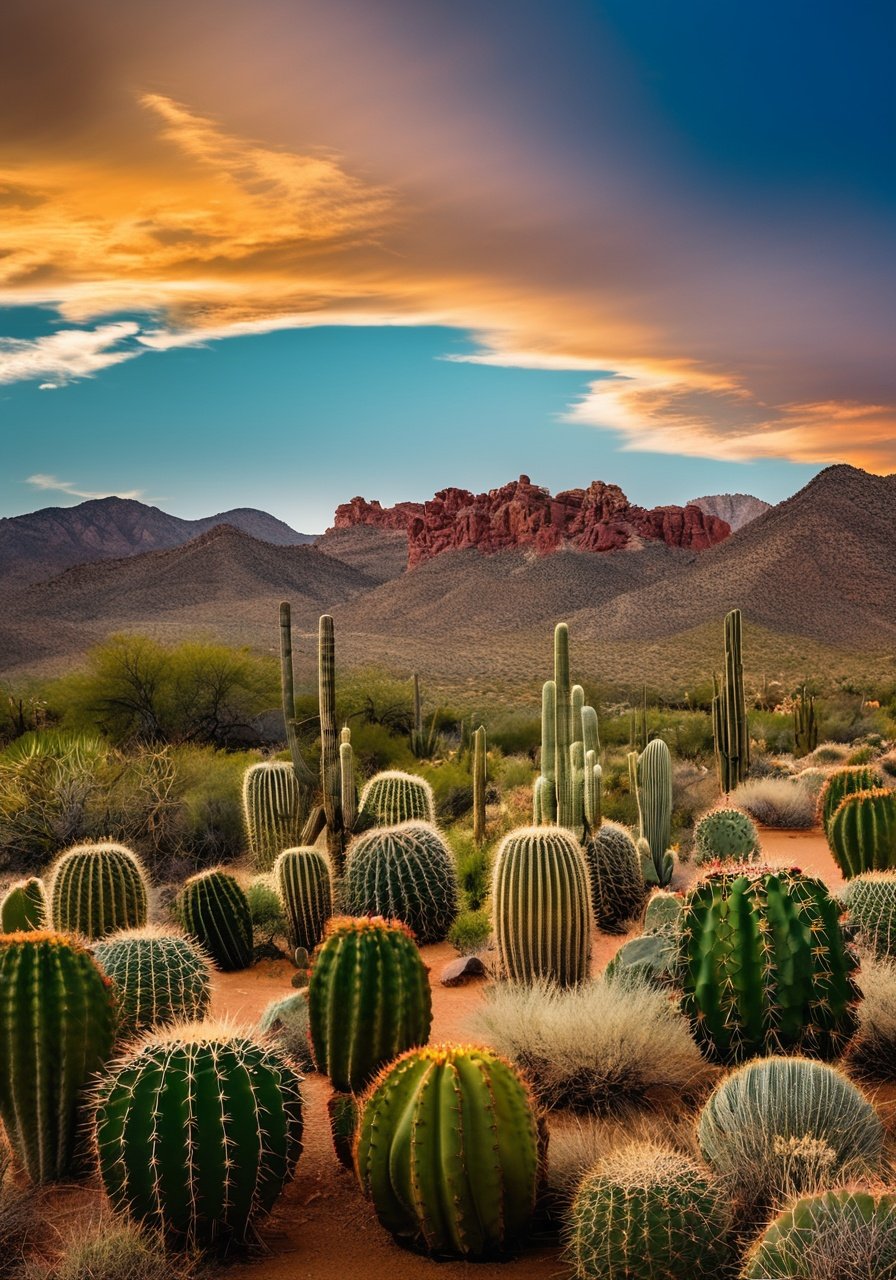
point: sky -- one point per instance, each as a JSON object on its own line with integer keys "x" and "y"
{"x": 278, "y": 254}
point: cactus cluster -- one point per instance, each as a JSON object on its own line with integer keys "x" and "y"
{"x": 404, "y": 873}
{"x": 870, "y": 902}
{"x": 862, "y": 832}
{"x": 393, "y": 797}
{"x": 726, "y": 835}
{"x": 731, "y": 730}
{"x": 650, "y": 774}
{"x": 302, "y": 877}
{"x": 764, "y": 965}
{"x": 160, "y": 977}
{"x": 843, "y": 1235}
{"x": 97, "y": 889}
{"x": 567, "y": 791}
{"x": 541, "y": 903}
{"x": 617, "y": 883}
{"x": 272, "y": 809}
{"x": 805, "y": 724}
{"x": 448, "y": 1152}
{"x": 197, "y": 1132}
{"x": 214, "y": 911}
{"x": 24, "y": 907}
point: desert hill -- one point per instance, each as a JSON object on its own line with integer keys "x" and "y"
{"x": 736, "y": 509}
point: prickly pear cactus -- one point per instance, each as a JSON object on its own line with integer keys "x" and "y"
{"x": 663, "y": 914}
{"x": 649, "y": 958}
{"x": 840, "y": 1235}
{"x": 97, "y": 889}
{"x": 862, "y": 832}
{"x": 160, "y": 977}
{"x": 403, "y": 873}
{"x": 302, "y": 877}
{"x": 617, "y": 885}
{"x": 870, "y": 902}
{"x": 448, "y": 1151}
{"x": 214, "y": 911}
{"x": 272, "y": 810}
{"x": 726, "y": 835}
{"x": 24, "y": 907}
{"x": 393, "y": 797}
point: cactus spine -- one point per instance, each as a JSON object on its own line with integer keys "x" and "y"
{"x": 392, "y": 797}
{"x": 726, "y": 835}
{"x": 870, "y": 902}
{"x": 617, "y": 885}
{"x": 97, "y": 889}
{"x": 541, "y": 906}
{"x": 480, "y": 784}
{"x": 731, "y": 730}
{"x": 160, "y": 977}
{"x": 272, "y": 810}
{"x": 215, "y": 912}
{"x": 862, "y": 832}
{"x": 57, "y": 1026}
{"x": 302, "y": 877}
{"x": 197, "y": 1132}
{"x": 406, "y": 873}
{"x": 448, "y": 1152}
{"x": 856, "y": 1227}
{"x": 843, "y": 783}
{"x": 24, "y": 907}
{"x": 651, "y": 779}
{"x": 805, "y": 724}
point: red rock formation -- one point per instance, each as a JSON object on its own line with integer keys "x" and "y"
{"x": 521, "y": 514}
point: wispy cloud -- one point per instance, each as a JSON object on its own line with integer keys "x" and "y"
{"x": 67, "y": 354}
{"x": 53, "y": 484}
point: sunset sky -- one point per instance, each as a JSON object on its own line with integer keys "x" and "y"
{"x": 281, "y": 253}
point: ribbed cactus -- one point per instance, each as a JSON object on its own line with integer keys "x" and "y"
{"x": 805, "y": 724}
{"x": 480, "y": 783}
{"x": 617, "y": 885}
{"x": 764, "y": 966}
{"x": 330, "y": 771}
{"x": 198, "y": 1131}
{"x": 870, "y": 902}
{"x": 839, "y": 1235}
{"x": 404, "y": 873}
{"x": 726, "y": 835}
{"x": 272, "y": 810}
{"x": 731, "y": 730}
{"x": 214, "y": 911}
{"x": 862, "y": 832}
{"x": 368, "y": 999}
{"x": 448, "y": 1151}
{"x": 393, "y": 797}
{"x": 97, "y": 889}
{"x": 651, "y": 778}
{"x": 348, "y": 788}
{"x": 304, "y": 776}
{"x": 24, "y": 907}
{"x": 302, "y": 877}
{"x": 160, "y": 977}
{"x": 842, "y": 783}
{"x": 568, "y": 789}
{"x": 647, "y": 1212}
{"x": 58, "y": 1019}
{"x": 541, "y": 902}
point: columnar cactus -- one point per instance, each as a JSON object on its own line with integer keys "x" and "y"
{"x": 160, "y": 977}
{"x": 214, "y": 911}
{"x": 97, "y": 889}
{"x": 841, "y": 1235}
{"x": 24, "y": 907}
{"x": 862, "y": 832}
{"x": 368, "y": 999}
{"x": 569, "y": 750}
{"x": 764, "y": 965}
{"x": 805, "y": 724}
{"x": 647, "y": 1212}
{"x": 870, "y": 902}
{"x": 58, "y": 1020}
{"x": 393, "y": 797}
{"x": 651, "y": 774}
{"x": 304, "y": 776}
{"x": 404, "y": 873}
{"x": 617, "y": 885}
{"x": 302, "y": 877}
{"x": 272, "y": 809}
{"x": 726, "y": 835}
{"x": 842, "y": 783}
{"x": 542, "y": 909}
{"x": 330, "y": 772}
{"x": 731, "y": 730}
{"x": 480, "y": 783}
{"x": 198, "y": 1131}
{"x": 448, "y": 1151}
{"x": 348, "y": 788}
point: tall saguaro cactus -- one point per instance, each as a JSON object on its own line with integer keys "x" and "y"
{"x": 729, "y": 712}
{"x": 480, "y": 782}
{"x": 651, "y": 782}
{"x": 567, "y": 792}
{"x": 304, "y": 776}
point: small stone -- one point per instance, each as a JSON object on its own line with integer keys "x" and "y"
{"x": 461, "y": 970}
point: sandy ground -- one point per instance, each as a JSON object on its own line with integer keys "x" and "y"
{"x": 322, "y": 1229}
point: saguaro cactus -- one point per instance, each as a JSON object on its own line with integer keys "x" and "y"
{"x": 198, "y": 1132}
{"x": 24, "y": 907}
{"x": 57, "y": 1027}
{"x": 215, "y": 912}
{"x": 302, "y": 877}
{"x": 272, "y": 809}
{"x": 404, "y": 873}
{"x": 567, "y": 790}
{"x": 805, "y": 724}
{"x": 160, "y": 977}
{"x": 862, "y": 832}
{"x": 480, "y": 783}
{"x": 731, "y": 730}
{"x": 392, "y": 796}
{"x": 304, "y": 776}
{"x": 651, "y": 778}
{"x": 448, "y": 1152}
{"x": 97, "y": 889}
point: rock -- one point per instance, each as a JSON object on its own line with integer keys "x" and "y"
{"x": 360, "y": 511}
{"x": 737, "y": 509}
{"x": 461, "y": 970}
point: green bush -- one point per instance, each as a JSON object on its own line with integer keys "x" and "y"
{"x": 473, "y": 869}
{"x": 268, "y": 917}
{"x": 471, "y": 932}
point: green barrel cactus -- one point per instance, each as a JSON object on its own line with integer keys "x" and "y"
{"x": 862, "y": 832}
{"x": 541, "y": 904}
{"x": 58, "y": 1019}
{"x": 160, "y": 977}
{"x": 764, "y": 965}
{"x": 97, "y": 889}
{"x": 368, "y": 999}
{"x": 302, "y": 877}
{"x": 870, "y": 902}
{"x": 651, "y": 775}
{"x": 617, "y": 885}
{"x": 197, "y": 1132}
{"x": 842, "y": 783}
{"x": 840, "y": 1235}
{"x": 272, "y": 810}
{"x": 214, "y": 911}
{"x": 787, "y": 1125}
{"x": 448, "y": 1151}
{"x": 394, "y": 797}
{"x": 663, "y": 914}
{"x": 403, "y": 873}
{"x": 726, "y": 835}
{"x": 24, "y": 907}
{"x": 647, "y": 1212}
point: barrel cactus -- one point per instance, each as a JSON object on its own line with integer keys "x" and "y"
{"x": 302, "y": 877}
{"x": 160, "y": 977}
{"x": 394, "y": 797}
{"x": 24, "y": 907}
{"x": 403, "y": 873}
{"x": 368, "y": 999}
{"x": 617, "y": 885}
{"x": 58, "y": 1019}
{"x": 97, "y": 889}
{"x": 448, "y": 1151}
{"x": 839, "y": 1235}
{"x": 862, "y": 832}
{"x": 842, "y": 783}
{"x": 272, "y": 810}
{"x": 197, "y": 1132}
{"x": 870, "y": 902}
{"x": 214, "y": 911}
{"x": 647, "y": 1212}
{"x": 764, "y": 965}
{"x": 541, "y": 901}
{"x": 726, "y": 835}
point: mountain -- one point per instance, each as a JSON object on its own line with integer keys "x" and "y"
{"x": 36, "y": 546}
{"x": 736, "y": 509}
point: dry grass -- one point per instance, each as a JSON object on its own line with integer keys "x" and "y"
{"x": 18, "y": 1218}
{"x": 873, "y": 1052}
{"x": 577, "y": 1143}
{"x": 777, "y": 802}
{"x": 111, "y": 1250}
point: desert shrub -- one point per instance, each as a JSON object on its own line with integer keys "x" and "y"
{"x": 285, "y": 1021}
{"x": 827, "y": 753}
{"x": 599, "y": 1047}
{"x": 813, "y": 779}
{"x": 18, "y": 1219}
{"x": 772, "y": 729}
{"x": 515, "y": 732}
{"x": 473, "y": 869}
{"x": 268, "y": 917}
{"x": 452, "y": 786}
{"x": 111, "y": 1250}
{"x": 376, "y": 748}
{"x": 862, "y": 755}
{"x": 776, "y": 802}
{"x": 887, "y": 763}
{"x": 471, "y": 932}
{"x": 694, "y": 788}
{"x": 208, "y": 790}
{"x": 873, "y": 1051}
{"x": 513, "y": 771}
